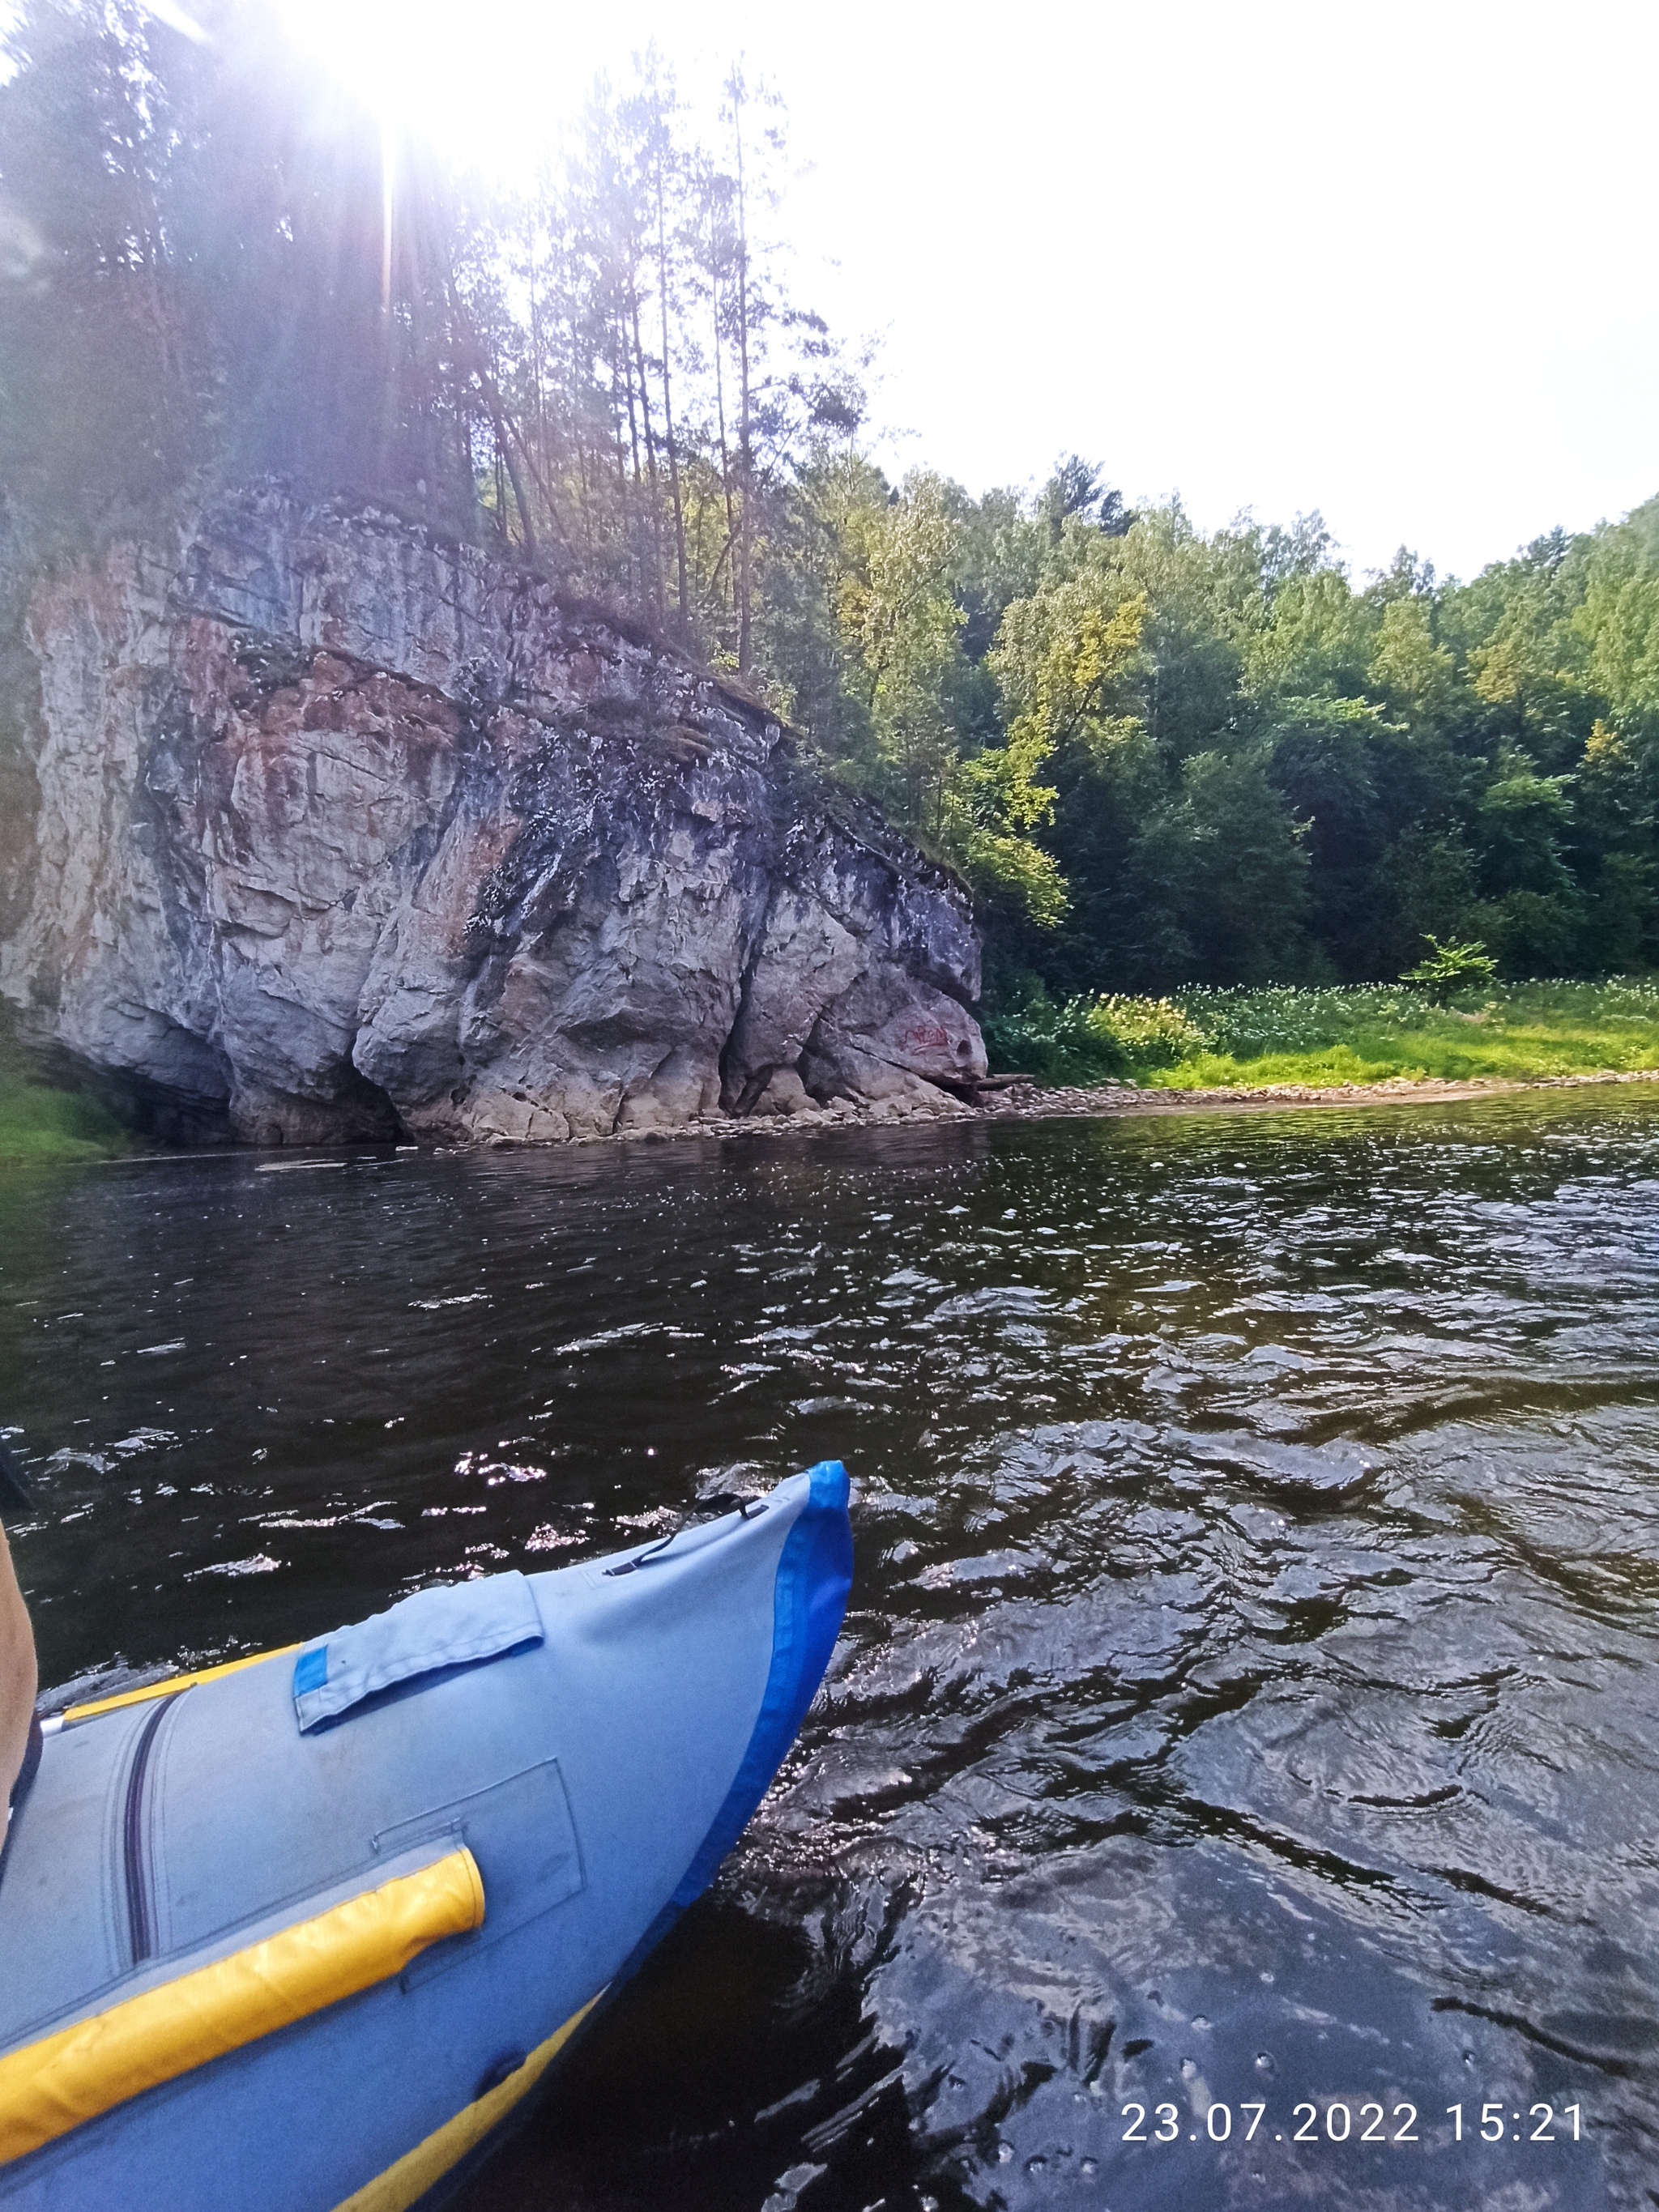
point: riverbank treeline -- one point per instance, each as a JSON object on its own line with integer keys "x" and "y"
{"x": 1161, "y": 756}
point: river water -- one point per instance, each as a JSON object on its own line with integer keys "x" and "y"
{"x": 1248, "y": 1715}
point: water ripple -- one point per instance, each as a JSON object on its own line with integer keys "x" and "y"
{"x": 1252, "y": 1690}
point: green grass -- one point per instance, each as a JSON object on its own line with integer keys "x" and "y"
{"x": 40, "y": 1125}
{"x": 1280, "y": 1036}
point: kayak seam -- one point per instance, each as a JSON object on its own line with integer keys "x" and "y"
{"x": 141, "y": 1934}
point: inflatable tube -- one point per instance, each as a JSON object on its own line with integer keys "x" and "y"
{"x": 296, "y": 1933}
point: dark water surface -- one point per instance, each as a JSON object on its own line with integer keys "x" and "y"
{"x": 1251, "y": 1698}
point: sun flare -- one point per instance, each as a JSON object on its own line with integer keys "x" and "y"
{"x": 399, "y": 59}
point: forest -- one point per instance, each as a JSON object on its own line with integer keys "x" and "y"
{"x": 1160, "y": 755}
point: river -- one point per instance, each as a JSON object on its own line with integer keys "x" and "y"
{"x": 1248, "y": 1714}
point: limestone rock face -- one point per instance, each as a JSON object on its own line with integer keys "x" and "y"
{"x": 317, "y": 828}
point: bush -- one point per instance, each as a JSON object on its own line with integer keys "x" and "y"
{"x": 1449, "y": 968}
{"x": 1089, "y": 1040}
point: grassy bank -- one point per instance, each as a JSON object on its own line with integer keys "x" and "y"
{"x": 40, "y": 1123}
{"x": 1372, "y": 1033}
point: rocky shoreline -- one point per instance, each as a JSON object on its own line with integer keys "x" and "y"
{"x": 1019, "y": 1101}
{"x": 1025, "y": 1101}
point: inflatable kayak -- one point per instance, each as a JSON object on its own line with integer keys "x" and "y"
{"x": 298, "y": 1933}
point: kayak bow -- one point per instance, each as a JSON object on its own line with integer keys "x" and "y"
{"x": 296, "y": 1933}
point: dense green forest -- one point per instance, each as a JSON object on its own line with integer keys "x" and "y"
{"x": 1158, "y": 755}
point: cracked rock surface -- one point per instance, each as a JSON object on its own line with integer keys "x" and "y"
{"x": 315, "y": 829}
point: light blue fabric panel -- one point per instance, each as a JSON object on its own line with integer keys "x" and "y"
{"x": 63, "y": 1928}
{"x": 435, "y": 1628}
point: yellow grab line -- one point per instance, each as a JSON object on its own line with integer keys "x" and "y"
{"x": 422, "y": 2168}
{"x": 172, "y": 1685}
{"x": 59, "y": 2083}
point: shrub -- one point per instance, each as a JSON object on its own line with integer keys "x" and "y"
{"x": 1449, "y": 968}
{"x": 1087, "y": 1039}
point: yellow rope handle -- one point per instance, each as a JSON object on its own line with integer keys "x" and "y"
{"x": 57, "y": 2084}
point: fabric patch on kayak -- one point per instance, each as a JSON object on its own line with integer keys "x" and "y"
{"x": 436, "y": 1629}
{"x": 520, "y": 1827}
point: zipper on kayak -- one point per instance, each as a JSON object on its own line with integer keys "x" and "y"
{"x": 141, "y": 1925}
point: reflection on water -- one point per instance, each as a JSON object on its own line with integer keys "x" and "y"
{"x": 1252, "y": 1695}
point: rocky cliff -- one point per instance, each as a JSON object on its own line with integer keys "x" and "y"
{"x": 312, "y": 828}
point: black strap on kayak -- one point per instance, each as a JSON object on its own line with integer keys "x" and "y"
{"x": 14, "y": 1495}
{"x": 723, "y": 1502}
{"x": 20, "y": 1788}
{"x": 640, "y": 1558}
{"x": 15, "y": 1499}
{"x": 25, "y": 1772}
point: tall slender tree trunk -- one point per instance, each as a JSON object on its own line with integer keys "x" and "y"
{"x": 745, "y": 451}
{"x": 636, "y": 536}
{"x": 471, "y": 351}
{"x": 504, "y": 447}
{"x": 584, "y": 380}
{"x": 538, "y": 369}
{"x": 719, "y": 417}
{"x": 660, "y": 594}
{"x": 668, "y": 411}
{"x": 624, "y": 506}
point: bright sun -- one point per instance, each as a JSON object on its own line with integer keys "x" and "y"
{"x": 492, "y": 82}
{"x": 407, "y": 59}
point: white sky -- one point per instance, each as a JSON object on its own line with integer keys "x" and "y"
{"x": 1397, "y": 262}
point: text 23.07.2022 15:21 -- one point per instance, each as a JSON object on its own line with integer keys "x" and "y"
{"x": 1338, "y": 2123}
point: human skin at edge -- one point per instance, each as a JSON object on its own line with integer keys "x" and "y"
{"x": 18, "y": 1682}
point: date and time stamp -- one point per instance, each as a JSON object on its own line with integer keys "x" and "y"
{"x": 1335, "y": 2122}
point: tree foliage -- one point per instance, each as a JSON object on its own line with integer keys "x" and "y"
{"x": 1158, "y": 755}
